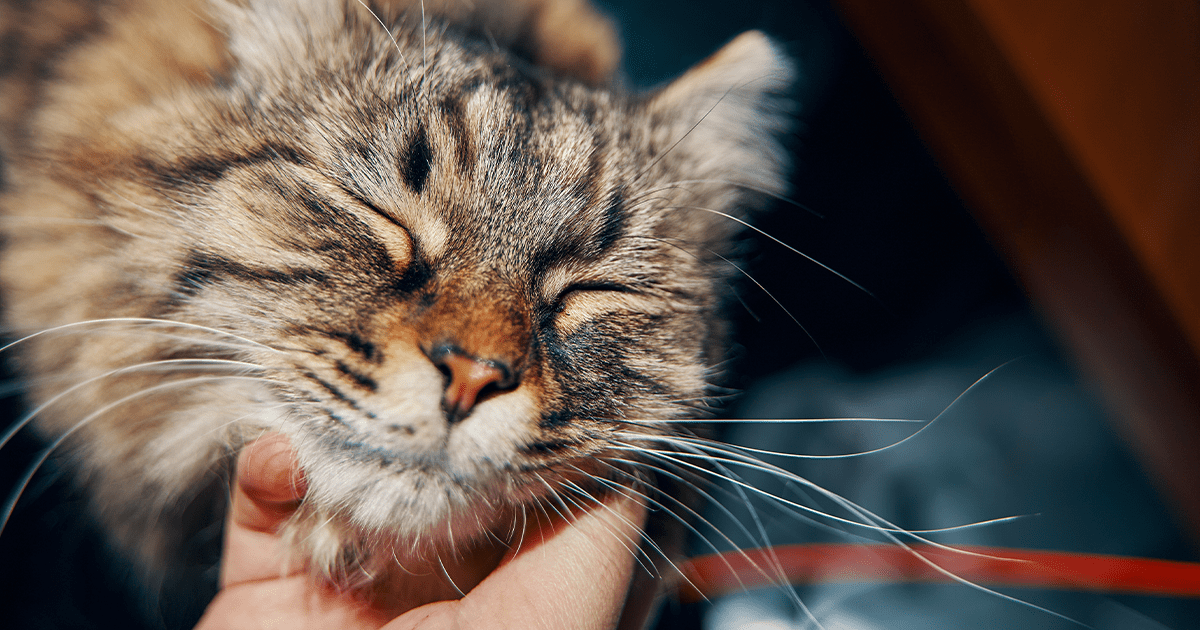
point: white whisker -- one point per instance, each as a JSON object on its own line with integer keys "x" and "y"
{"x": 387, "y": 30}
{"x": 773, "y": 299}
{"x": 626, "y": 541}
{"x": 776, "y": 421}
{"x": 152, "y": 365}
{"x": 683, "y": 521}
{"x": 638, "y": 176}
{"x": 7, "y": 509}
{"x": 446, "y": 574}
{"x": 766, "y": 543}
{"x": 750, "y": 187}
{"x": 885, "y": 527}
{"x": 138, "y": 320}
{"x": 790, "y": 248}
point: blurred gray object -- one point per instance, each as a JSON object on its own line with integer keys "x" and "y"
{"x": 1028, "y": 440}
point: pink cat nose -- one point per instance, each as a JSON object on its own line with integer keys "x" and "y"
{"x": 468, "y": 377}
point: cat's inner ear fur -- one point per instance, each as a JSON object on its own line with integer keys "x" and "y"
{"x": 719, "y": 125}
{"x": 570, "y": 38}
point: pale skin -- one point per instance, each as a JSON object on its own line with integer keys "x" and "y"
{"x": 562, "y": 576}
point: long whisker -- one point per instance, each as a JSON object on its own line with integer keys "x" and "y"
{"x": 138, "y": 320}
{"x": 914, "y": 434}
{"x": 776, "y": 564}
{"x": 756, "y": 283}
{"x": 681, "y": 519}
{"x": 676, "y": 245}
{"x": 674, "y": 456}
{"x": 889, "y": 531}
{"x": 625, "y": 541}
{"x": 638, "y": 176}
{"x": 446, "y": 574}
{"x": 950, "y": 574}
{"x": 770, "y": 453}
{"x": 779, "y": 576}
{"x": 695, "y": 480}
{"x": 386, "y": 30}
{"x": 725, "y": 449}
{"x": 7, "y": 509}
{"x": 424, "y": 45}
{"x": 777, "y": 421}
{"x": 775, "y": 300}
{"x": 751, "y": 187}
{"x": 790, "y": 248}
{"x": 151, "y": 365}
{"x": 872, "y": 522}
{"x": 694, "y": 484}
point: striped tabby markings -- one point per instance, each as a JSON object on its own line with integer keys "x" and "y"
{"x": 582, "y": 305}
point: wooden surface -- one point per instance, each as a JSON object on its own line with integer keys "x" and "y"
{"x": 1072, "y": 130}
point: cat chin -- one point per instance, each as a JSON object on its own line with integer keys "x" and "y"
{"x": 412, "y": 483}
{"x": 372, "y": 508}
{"x": 339, "y": 551}
{"x": 359, "y": 529}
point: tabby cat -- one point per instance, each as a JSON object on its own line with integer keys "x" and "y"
{"x": 436, "y": 244}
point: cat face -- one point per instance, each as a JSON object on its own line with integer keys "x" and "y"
{"x": 495, "y": 225}
{"x": 452, "y": 278}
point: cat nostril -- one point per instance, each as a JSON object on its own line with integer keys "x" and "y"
{"x": 469, "y": 378}
{"x": 444, "y": 369}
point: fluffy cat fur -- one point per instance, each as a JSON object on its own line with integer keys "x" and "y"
{"x": 234, "y": 216}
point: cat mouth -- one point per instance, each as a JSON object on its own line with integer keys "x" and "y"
{"x": 417, "y": 492}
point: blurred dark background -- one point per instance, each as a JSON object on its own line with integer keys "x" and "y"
{"x": 888, "y": 219}
{"x": 942, "y": 310}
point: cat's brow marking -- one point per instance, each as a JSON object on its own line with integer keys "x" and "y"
{"x": 209, "y": 168}
{"x": 454, "y": 117}
{"x": 416, "y": 162}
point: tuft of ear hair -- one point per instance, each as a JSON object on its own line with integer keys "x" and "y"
{"x": 724, "y": 119}
{"x": 571, "y": 38}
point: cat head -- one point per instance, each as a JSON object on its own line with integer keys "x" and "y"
{"x": 462, "y": 278}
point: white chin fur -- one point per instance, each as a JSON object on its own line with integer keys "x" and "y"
{"x": 447, "y": 493}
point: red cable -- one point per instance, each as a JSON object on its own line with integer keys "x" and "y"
{"x": 714, "y": 575}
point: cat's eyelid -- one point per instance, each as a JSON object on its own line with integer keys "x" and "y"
{"x": 599, "y": 285}
{"x": 592, "y": 286}
{"x": 403, "y": 246}
{"x": 366, "y": 203}
{"x": 361, "y": 200}
{"x": 333, "y": 184}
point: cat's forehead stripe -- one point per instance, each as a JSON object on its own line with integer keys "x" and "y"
{"x": 454, "y": 116}
{"x": 416, "y": 161}
{"x": 207, "y": 168}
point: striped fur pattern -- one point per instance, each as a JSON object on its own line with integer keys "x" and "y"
{"x": 270, "y": 214}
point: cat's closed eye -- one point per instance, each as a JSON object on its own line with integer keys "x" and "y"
{"x": 583, "y": 301}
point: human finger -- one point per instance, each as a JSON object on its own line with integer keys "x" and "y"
{"x": 567, "y": 575}
{"x": 267, "y": 489}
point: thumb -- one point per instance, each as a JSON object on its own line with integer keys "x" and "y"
{"x": 268, "y": 488}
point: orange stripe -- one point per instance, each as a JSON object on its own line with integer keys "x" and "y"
{"x": 716, "y": 575}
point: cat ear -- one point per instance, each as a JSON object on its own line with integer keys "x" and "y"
{"x": 720, "y": 125}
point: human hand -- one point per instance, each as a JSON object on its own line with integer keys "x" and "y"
{"x": 563, "y": 575}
